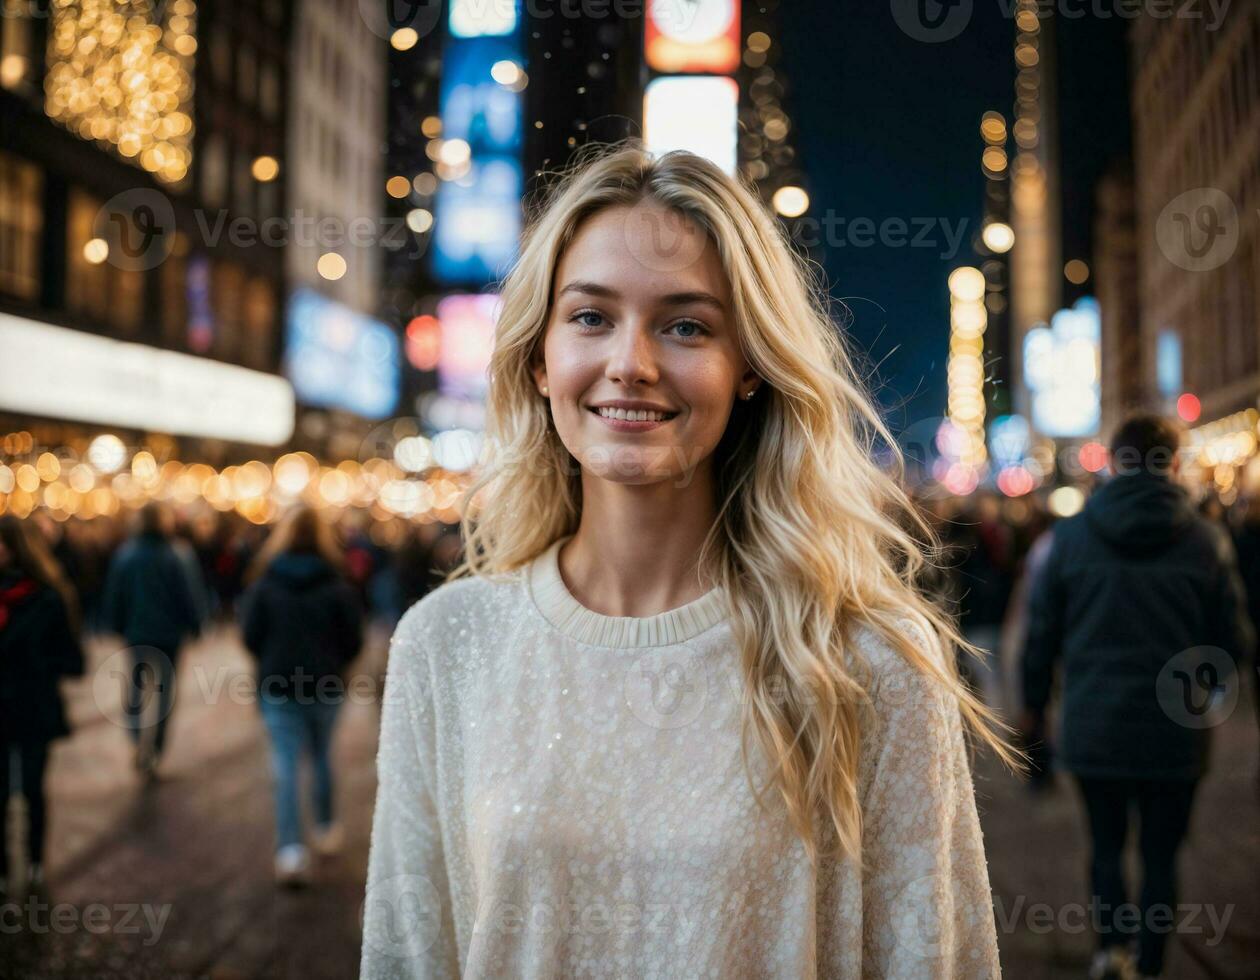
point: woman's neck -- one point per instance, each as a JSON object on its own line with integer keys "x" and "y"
{"x": 635, "y": 549}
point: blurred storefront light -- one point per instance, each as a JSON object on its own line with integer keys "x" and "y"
{"x": 58, "y": 373}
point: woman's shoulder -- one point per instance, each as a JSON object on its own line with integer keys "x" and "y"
{"x": 462, "y": 608}
{"x": 886, "y": 658}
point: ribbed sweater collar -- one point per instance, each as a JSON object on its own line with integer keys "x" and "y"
{"x": 570, "y": 617}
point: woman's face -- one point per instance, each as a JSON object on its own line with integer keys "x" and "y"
{"x": 641, "y": 360}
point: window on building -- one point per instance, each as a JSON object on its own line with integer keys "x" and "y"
{"x": 173, "y": 283}
{"x": 259, "y": 322}
{"x": 16, "y": 47}
{"x": 242, "y": 181}
{"x": 97, "y": 288}
{"x": 226, "y": 283}
{"x": 21, "y": 225}
{"x": 221, "y": 56}
{"x": 87, "y": 269}
{"x": 247, "y": 74}
{"x": 214, "y": 171}
{"x": 269, "y": 91}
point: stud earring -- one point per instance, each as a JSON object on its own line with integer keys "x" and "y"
{"x": 749, "y": 394}
{"x": 544, "y": 389}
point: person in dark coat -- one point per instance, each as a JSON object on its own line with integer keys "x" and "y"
{"x": 39, "y": 645}
{"x": 303, "y": 620}
{"x": 1141, "y": 600}
{"x": 153, "y": 601}
{"x": 1247, "y": 547}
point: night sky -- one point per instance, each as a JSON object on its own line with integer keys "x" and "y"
{"x": 888, "y": 127}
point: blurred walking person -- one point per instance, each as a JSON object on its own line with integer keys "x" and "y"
{"x": 303, "y": 621}
{"x": 152, "y": 600}
{"x": 1135, "y": 590}
{"x": 1247, "y": 546}
{"x": 39, "y": 644}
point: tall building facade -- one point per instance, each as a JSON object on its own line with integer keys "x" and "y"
{"x": 131, "y": 149}
{"x": 1115, "y": 253}
{"x": 1036, "y": 258}
{"x": 335, "y": 159}
{"x": 1196, "y": 98}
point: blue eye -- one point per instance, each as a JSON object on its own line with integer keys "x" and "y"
{"x": 581, "y": 317}
{"x": 688, "y": 329}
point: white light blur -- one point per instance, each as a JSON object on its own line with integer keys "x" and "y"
{"x": 693, "y": 112}
{"x": 456, "y": 449}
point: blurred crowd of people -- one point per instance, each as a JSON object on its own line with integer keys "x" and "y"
{"x": 1136, "y": 618}
{"x": 1109, "y": 596}
{"x": 301, "y": 593}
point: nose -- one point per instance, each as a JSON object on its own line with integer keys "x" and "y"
{"x": 632, "y": 357}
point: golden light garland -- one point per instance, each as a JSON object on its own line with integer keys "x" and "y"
{"x": 106, "y": 483}
{"x": 120, "y": 76}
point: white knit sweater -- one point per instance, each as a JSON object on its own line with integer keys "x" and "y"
{"x": 562, "y": 794}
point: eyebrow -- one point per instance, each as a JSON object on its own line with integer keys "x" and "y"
{"x": 671, "y": 299}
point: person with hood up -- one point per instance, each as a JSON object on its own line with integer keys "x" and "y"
{"x": 303, "y": 621}
{"x": 39, "y": 645}
{"x": 1141, "y": 600}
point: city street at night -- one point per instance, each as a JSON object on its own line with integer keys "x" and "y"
{"x": 723, "y": 489}
{"x": 183, "y": 867}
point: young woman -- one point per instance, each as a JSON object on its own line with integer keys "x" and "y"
{"x": 303, "y": 622}
{"x": 39, "y": 645}
{"x": 689, "y": 716}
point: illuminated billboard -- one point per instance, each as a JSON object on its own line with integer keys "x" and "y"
{"x": 475, "y": 108}
{"x": 692, "y": 36}
{"x": 467, "y": 339}
{"x": 478, "y": 222}
{"x": 1061, "y": 372}
{"x": 337, "y": 358}
{"x": 482, "y": 18}
{"x": 477, "y": 212}
{"x": 696, "y": 113}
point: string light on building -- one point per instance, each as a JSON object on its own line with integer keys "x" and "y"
{"x": 965, "y": 378}
{"x": 120, "y": 73}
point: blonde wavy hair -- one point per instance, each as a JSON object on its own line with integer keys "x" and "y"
{"x": 812, "y": 536}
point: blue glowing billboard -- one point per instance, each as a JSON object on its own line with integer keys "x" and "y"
{"x": 486, "y": 114}
{"x": 477, "y": 213}
{"x": 337, "y": 358}
{"x": 478, "y": 222}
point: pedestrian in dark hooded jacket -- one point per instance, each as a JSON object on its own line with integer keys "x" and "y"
{"x": 39, "y": 645}
{"x": 1140, "y": 599}
{"x": 153, "y": 601}
{"x": 303, "y": 621}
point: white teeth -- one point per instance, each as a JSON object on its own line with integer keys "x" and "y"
{"x": 631, "y": 415}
